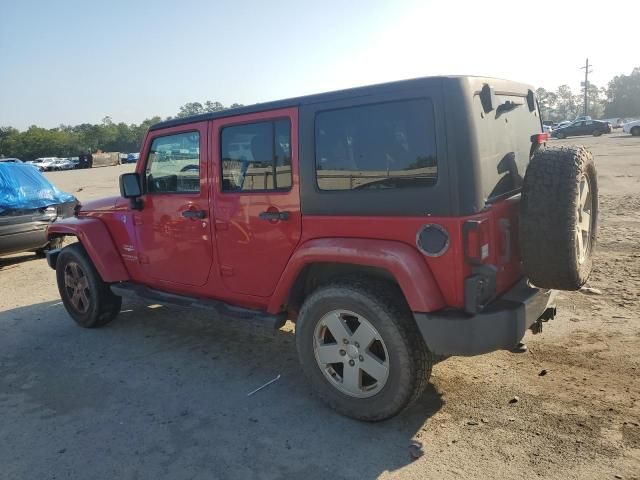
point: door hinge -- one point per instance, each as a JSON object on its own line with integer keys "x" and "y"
{"x": 226, "y": 271}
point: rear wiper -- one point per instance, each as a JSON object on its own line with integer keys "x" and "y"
{"x": 507, "y": 107}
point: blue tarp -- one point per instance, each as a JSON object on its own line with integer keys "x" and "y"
{"x": 23, "y": 187}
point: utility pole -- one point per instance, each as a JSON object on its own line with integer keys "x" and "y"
{"x": 586, "y": 85}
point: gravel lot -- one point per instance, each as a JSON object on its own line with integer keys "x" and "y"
{"x": 162, "y": 391}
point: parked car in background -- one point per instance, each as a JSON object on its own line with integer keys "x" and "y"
{"x": 11, "y": 160}
{"x": 132, "y": 158}
{"x": 582, "y": 127}
{"x": 75, "y": 161}
{"x": 615, "y": 122}
{"x": 562, "y": 124}
{"x": 46, "y": 163}
{"x": 632, "y": 127}
{"x": 547, "y": 128}
{"x": 36, "y": 163}
{"x": 29, "y": 203}
{"x": 85, "y": 160}
{"x": 62, "y": 164}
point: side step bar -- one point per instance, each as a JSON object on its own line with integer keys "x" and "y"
{"x": 223, "y": 309}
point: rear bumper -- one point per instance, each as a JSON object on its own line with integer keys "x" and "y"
{"x": 500, "y": 326}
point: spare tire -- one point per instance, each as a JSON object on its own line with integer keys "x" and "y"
{"x": 559, "y": 217}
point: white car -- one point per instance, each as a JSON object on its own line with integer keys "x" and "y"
{"x": 62, "y": 164}
{"x": 632, "y": 127}
{"x": 45, "y": 163}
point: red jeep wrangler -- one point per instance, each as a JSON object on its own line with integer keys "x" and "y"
{"x": 394, "y": 224}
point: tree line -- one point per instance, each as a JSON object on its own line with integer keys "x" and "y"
{"x": 621, "y": 98}
{"x": 71, "y": 141}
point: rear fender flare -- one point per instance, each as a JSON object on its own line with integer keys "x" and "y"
{"x": 96, "y": 240}
{"x": 402, "y": 261}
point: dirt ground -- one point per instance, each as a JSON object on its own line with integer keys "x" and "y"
{"x": 162, "y": 391}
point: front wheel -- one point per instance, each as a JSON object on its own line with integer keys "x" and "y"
{"x": 361, "y": 349}
{"x": 597, "y": 133}
{"x": 86, "y": 297}
{"x": 635, "y": 131}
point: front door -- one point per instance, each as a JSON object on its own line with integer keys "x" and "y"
{"x": 173, "y": 228}
{"x": 257, "y": 200}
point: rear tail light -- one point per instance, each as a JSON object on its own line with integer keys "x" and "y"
{"x": 540, "y": 138}
{"x": 480, "y": 286}
{"x": 476, "y": 236}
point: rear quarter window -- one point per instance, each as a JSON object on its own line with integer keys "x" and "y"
{"x": 382, "y": 146}
{"x": 503, "y": 139}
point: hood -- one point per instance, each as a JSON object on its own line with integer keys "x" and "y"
{"x": 100, "y": 204}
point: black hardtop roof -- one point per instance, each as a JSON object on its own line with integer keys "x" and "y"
{"x": 338, "y": 94}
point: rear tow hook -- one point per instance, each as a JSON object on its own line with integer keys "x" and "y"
{"x": 548, "y": 314}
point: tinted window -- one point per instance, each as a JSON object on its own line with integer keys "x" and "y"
{"x": 382, "y": 146}
{"x": 174, "y": 164}
{"x": 256, "y": 156}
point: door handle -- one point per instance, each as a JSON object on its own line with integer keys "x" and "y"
{"x": 273, "y": 216}
{"x": 199, "y": 214}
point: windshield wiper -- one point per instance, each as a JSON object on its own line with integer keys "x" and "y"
{"x": 507, "y": 107}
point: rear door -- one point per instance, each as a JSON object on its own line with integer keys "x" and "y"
{"x": 256, "y": 198}
{"x": 578, "y": 128}
{"x": 173, "y": 229}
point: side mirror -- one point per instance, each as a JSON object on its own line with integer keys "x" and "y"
{"x": 130, "y": 188}
{"x": 130, "y": 185}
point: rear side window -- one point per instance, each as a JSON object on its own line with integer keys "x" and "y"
{"x": 174, "y": 164}
{"x": 256, "y": 156}
{"x": 381, "y": 146}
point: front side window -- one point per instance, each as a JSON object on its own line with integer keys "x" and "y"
{"x": 379, "y": 146}
{"x": 256, "y": 156}
{"x": 174, "y": 164}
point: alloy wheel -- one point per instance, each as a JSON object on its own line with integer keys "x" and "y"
{"x": 583, "y": 219}
{"x": 351, "y": 353}
{"x": 76, "y": 286}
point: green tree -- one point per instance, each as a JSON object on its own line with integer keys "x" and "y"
{"x": 197, "y": 108}
{"x": 596, "y": 99}
{"x": 547, "y": 102}
{"x": 191, "y": 108}
{"x": 568, "y": 104}
{"x": 623, "y": 95}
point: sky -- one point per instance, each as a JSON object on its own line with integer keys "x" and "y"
{"x": 71, "y": 62}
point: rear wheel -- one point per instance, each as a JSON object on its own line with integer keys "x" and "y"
{"x": 361, "y": 350}
{"x": 597, "y": 133}
{"x": 86, "y": 297}
{"x": 559, "y": 217}
{"x": 561, "y": 135}
{"x": 635, "y": 131}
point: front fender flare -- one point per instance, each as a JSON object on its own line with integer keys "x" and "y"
{"x": 96, "y": 240}
{"x": 403, "y": 262}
